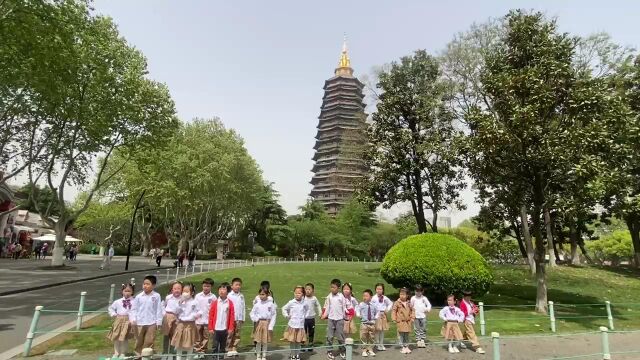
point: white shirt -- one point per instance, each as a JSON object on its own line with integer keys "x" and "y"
{"x": 451, "y": 314}
{"x": 111, "y": 252}
{"x": 118, "y": 308}
{"x": 263, "y": 310}
{"x": 188, "y": 310}
{"x": 313, "y": 307}
{"x": 257, "y": 299}
{"x": 171, "y": 304}
{"x": 238, "y": 305}
{"x": 352, "y": 303}
{"x": 383, "y": 306}
{"x": 421, "y": 305}
{"x": 222, "y": 313}
{"x": 204, "y": 304}
{"x": 146, "y": 309}
{"x": 335, "y": 306}
{"x": 295, "y": 311}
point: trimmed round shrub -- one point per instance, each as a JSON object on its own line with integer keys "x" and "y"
{"x": 439, "y": 262}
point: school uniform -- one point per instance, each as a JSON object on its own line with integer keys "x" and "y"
{"x": 202, "y": 323}
{"x": 421, "y": 306}
{"x": 451, "y": 317}
{"x": 469, "y": 310}
{"x": 262, "y": 313}
{"x": 234, "y": 336}
{"x": 384, "y": 305}
{"x": 121, "y": 329}
{"x": 185, "y": 334}
{"x": 368, "y": 315}
{"x": 295, "y": 311}
{"x": 313, "y": 310}
{"x": 350, "y": 315}
{"x": 335, "y": 307}
{"x": 170, "y": 318}
{"x": 221, "y": 322}
{"x": 272, "y": 323}
{"x": 403, "y": 315}
{"x": 146, "y": 313}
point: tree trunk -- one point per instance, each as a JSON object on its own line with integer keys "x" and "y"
{"x": 420, "y": 221}
{"x": 434, "y": 221}
{"x": 541, "y": 288}
{"x": 518, "y": 236}
{"x": 538, "y": 201}
{"x": 57, "y": 255}
{"x": 573, "y": 237}
{"x": 633, "y": 223}
{"x": 527, "y": 239}
{"x": 550, "y": 248}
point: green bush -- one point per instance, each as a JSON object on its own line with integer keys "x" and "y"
{"x": 440, "y": 262}
{"x": 258, "y": 251}
{"x": 502, "y": 252}
{"x": 612, "y": 248}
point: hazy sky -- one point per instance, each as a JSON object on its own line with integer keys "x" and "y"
{"x": 260, "y": 65}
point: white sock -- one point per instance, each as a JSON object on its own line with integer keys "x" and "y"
{"x": 264, "y": 350}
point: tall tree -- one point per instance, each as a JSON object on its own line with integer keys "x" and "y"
{"x": 413, "y": 153}
{"x": 91, "y": 99}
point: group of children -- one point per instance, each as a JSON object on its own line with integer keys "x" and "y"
{"x": 188, "y": 320}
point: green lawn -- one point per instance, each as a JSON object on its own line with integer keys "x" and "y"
{"x": 579, "y": 294}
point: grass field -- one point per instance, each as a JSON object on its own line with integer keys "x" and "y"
{"x": 579, "y": 294}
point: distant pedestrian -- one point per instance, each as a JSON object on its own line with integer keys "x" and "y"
{"x": 181, "y": 257}
{"x": 36, "y": 252}
{"x": 152, "y": 254}
{"x": 106, "y": 260}
{"x": 159, "y": 256}
{"x": 44, "y": 251}
{"x": 17, "y": 251}
{"x": 191, "y": 257}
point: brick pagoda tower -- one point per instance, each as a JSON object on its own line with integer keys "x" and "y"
{"x": 340, "y": 139}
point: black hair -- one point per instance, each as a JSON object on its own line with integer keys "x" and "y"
{"x": 336, "y": 282}
{"x": 191, "y": 286}
{"x": 236, "y": 280}
{"x": 152, "y": 279}
{"x": 208, "y": 281}
{"x": 404, "y": 290}
{"x": 265, "y": 283}
{"x": 172, "y": 284}
{"x": 299, "y": 287}
{"x": 226, "y": 286}
{"x": 418, "y": 288}
{"x": 347, "y": 284}
{"x": 263, "y": 289}
{"x": 368, "y": 291}
{"x": 381, "y": 285}
{"x": 128, "y": 285}
{"x": 310, "y": 285}
{"x": 451, "y": 296}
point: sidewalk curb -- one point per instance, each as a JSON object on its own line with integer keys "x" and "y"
{"x": 40, "y": 287}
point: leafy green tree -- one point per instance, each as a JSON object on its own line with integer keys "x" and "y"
{"x": 88, "y": 96}
{"x": 269, "y": 212}
{"x": 414, "y": 150}
{"x": 313, "y": 210}
{"x": 614, "y": 248}
{"x": 46, "y": 198}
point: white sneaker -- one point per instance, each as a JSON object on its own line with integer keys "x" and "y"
{"x": 480, "y": 350}
{"x": 365, "y": 353}
{"x": 463, "y": 345}
{"x": 232, "y": 353}
{"x": 451, "y": 351}
{"x": 408, "y": 350}
{"x": 383, "y": 348}
{"x": 455, "y": 349}
{"x": 371, "y": 353}
{"x": 403, "y": 351}
{"x": 422, "y": 344}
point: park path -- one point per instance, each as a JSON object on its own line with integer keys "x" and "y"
{"x": 511, "y": 348}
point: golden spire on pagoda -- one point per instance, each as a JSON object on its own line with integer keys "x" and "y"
{"x": 344, "y": 66}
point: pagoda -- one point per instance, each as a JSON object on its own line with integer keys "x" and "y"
{"x": 340, "y": 139}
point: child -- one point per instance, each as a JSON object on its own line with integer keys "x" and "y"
{"x": 421, "y": 307}
{"x": 403, "y": 315}
{"x": 352, "y": 307}
{"x": 238, "y": 303}
{"x": 383, "y": 304}
{"x": 295, "y": 310}
{"x": 267, "y": 286}
{"x": 313, "y": 309}
{"x": 222, "y": 319}
{"x": 263, "y": 311}
{"x": 121, "y": 330}
{"x": 184, "y": 336}
{"x": 334, "y": 310}
{"x": 204, "y": 300}
{"x": 451, "y": 315}
{"x": 470, "y": 310}
{"x": 146, "y": 314}
{"x": 170, "y": 319}
{"x": 368, "y": 315}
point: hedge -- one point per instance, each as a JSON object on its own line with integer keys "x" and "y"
{"x": 439, "y": 262}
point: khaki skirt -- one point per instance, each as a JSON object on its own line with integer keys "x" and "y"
{"x": 451, "y": 330}
{"x": 185, "y": 335}
{"x": 350, "y": 326}
{"x": 121, "y": 329}
{"x": 382, "y": 324}
{"x": 295, "y": 335}
{"x": 261, "y": 333}
{"x": 169, "y": 322}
